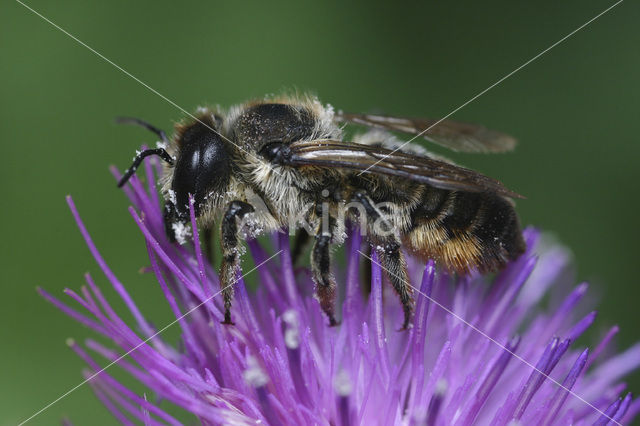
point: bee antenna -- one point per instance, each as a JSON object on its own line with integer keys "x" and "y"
{"x": 137, "y": 122}
{"x": 160, "y": 152}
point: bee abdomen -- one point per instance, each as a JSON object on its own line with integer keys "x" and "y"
{"x": 466, "y": 230}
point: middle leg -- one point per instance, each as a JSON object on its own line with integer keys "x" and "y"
{"x": 299, "y": 244}
{"x": 321, "y": 269}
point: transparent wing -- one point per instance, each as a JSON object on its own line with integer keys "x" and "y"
{"x": 455, "y": 135}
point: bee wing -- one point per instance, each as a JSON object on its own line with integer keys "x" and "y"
{"x": 377, "y": 160}
{"x": 455, "y": 135}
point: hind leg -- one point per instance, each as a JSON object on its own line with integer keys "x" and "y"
{"x": 393, "y": 262}
{"x": 391, "y": 258}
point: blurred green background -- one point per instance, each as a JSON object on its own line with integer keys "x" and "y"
{"x": 574, "y": 111}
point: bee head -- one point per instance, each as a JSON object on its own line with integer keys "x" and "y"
{"x": 202, "y": 167}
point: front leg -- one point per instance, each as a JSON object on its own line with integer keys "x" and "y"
{"x": 171, "y": 218}
{"x": 170, "y": 215}
{"x": 230, "y": 258}
{"x": 391, "y": 258}
{"x": 321, "y": 270}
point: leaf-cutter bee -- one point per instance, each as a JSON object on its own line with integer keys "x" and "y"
{"x": 288, "y": 154}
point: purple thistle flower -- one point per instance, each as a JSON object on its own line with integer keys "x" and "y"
{"x": 476, "y": 354}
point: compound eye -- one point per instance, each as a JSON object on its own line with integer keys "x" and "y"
{"x": 202, "y": 169}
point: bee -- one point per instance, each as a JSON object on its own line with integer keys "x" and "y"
{"x": 289, "y": 155}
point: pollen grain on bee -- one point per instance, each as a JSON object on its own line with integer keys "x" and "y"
{"x": 306, "y": 218}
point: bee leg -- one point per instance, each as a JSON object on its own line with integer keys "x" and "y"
{"x": 321, "y": 271}
{"x": 391, "y": 258}
{"x": 230, "y": 258}
{"x": 365, "y": 272}
{"x": 170, "y": 216}
{"x": 207, "y": 235}
{"x": 300, "y": 242}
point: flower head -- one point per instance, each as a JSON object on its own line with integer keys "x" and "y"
{"x": 481, "y": 351}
